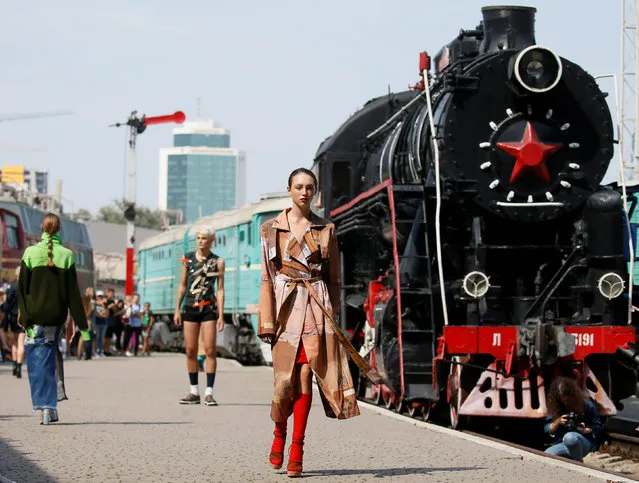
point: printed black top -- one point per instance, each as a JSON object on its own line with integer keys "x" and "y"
{"x": 200, "y": 283}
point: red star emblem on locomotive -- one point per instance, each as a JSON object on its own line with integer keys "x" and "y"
{"x": 531, "y": 154}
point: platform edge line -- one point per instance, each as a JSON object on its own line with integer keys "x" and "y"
{"x": 6, "y": 480}
{"x": 500, "y": 446}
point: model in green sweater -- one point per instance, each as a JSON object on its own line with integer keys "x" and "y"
{"x": 48, "y": 291}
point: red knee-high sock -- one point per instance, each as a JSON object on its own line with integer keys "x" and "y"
{"x": 301, "y": 409}
{"x": 280, "y": 437}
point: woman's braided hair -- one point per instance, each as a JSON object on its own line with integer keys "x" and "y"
{"x": 50, "y": 225}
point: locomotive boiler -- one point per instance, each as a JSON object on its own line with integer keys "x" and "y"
{"x": 481, "y": 255}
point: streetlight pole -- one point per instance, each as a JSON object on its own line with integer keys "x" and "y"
{"x": 137, "y": 125}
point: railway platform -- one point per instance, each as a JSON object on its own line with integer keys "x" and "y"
{"x": 123, "y": 423}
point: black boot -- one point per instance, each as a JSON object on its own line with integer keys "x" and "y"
{"x": 19, "y": 371}
{"x": 15, "y": 368}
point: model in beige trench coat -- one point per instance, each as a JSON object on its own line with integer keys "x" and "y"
{"x": 287, "y": 311}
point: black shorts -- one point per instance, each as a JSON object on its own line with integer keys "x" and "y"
{"x": 12, "y": 326}
{"x": 114, "y": 328}
{"x": 197, "y": 316}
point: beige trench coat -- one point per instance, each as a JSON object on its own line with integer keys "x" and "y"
{"x": 287, "y": 311}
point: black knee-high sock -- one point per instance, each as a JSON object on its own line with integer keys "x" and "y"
{"x": 210, "y": 379}
{"x": 193, "y": 378}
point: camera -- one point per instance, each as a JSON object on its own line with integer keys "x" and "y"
{"x": 572, "y": 424}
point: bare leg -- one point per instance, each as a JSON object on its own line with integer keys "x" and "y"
{"x": 80, "y": 347}
{"x": 20, "y": 348}
{"x": 209, "y": 336}
{"x": 14, "y": 347}
{"x": 145, "y": 346}
{"x": 191, "y": 336}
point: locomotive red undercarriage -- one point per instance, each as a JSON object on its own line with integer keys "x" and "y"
{"x": 516, "y": 374}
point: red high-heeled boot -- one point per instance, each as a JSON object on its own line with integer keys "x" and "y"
{"x": 276, "y": 457}
{"x": 301, "y": 410}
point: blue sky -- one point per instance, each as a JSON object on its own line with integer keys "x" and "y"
{"x": 281, "y": 75}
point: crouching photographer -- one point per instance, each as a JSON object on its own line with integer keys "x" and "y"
{"x": 573, "y": 421}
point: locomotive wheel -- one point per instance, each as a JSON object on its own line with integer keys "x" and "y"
{"x": 378, "y": 397}
{"x": 389, "y": 400}
{"x": 400, "y": 406}
{"x": 427, "y": 411}
{"x": 414, "y": 409}
{"x": 457, "y": 393}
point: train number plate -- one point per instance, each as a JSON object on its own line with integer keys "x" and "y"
{"x": 585, "y": 339}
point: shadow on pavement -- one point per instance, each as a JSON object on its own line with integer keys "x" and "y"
{"x": 15, "y": 466}
{"x": 388, "y": 472}
{"x": 244, "y": 404}
{"x": 119, "y": 422}
{"x": 13, "y": 416}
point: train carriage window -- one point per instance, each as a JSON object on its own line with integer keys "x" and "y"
{"x": 35, "y": 220}
{"x": 82, "y": 260}
{"x": 249, "y": 228}
{"x": 13, "y": 238}
{"x": 241, "y": 235}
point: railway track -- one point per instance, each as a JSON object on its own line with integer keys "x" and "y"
{"x": 619, "y": 453}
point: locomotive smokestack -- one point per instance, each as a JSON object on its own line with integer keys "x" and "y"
{"x": 508, "y": 27}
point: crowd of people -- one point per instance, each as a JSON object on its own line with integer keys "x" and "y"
{"x": 117, "y": 327}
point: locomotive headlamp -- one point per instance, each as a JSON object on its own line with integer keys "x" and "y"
{"x": 610, "y": 285}
{"x": 476, "y": 284}
{"x": 537, "y": 69}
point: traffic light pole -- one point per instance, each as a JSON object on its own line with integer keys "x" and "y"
{"x": 137, "y": 126}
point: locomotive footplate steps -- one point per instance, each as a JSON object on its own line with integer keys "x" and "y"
{"x": 512, "y": 387}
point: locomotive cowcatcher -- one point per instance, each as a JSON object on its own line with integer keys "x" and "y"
{"x": 481, "y": 255}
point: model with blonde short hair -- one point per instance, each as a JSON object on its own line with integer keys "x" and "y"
{"x": 203, "y": 311}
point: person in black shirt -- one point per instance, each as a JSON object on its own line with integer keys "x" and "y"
{"x": 10, "y": 323}
{"x": 114, "y": 323}
{"x": 203, "y": 310}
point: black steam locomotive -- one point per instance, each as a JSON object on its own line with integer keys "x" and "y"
{"x": 481, "y": 255}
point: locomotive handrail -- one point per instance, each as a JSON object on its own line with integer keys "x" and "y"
{"x": 531, "y": 204}
{"x": 438, "y": 206}
{"x": 395, "y": 116}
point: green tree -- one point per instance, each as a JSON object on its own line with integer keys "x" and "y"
{"x": 82, "y": 214}
{"x": 144, "y": 218}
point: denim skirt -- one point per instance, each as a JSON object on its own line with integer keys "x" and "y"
{"x": 45, "y": 366}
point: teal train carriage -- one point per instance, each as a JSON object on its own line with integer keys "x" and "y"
{"x": 237, "y": 241}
